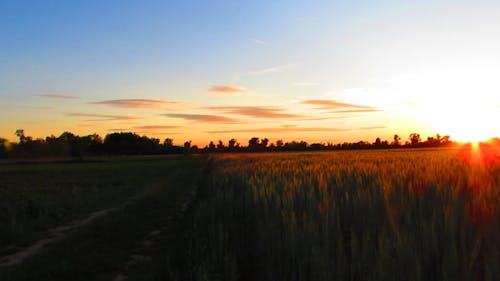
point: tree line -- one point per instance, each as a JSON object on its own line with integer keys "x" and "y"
{"x": 128, "y": 143}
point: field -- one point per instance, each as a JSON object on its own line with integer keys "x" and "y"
{"x": 417, "y": 214}
{"x": 355, "y": 215}
{"x": 96, "y": 214}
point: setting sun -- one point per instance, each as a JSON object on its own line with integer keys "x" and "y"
{"x": 466, "y": 122}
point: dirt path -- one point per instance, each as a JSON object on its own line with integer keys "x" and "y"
{"x": 139, "y": 253}
{"x": 55, "y": 234}
{"x": 60, "y": 232}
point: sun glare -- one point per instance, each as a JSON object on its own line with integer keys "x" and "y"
{"x": 454, "y": 104}
{"x": 466, "y": 123}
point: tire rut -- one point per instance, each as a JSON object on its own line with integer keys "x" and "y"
{"x": 55, "y": 234}
{"x": 139, "y": 253}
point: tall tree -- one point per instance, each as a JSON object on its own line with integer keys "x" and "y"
{"x": 396, "y": 140}
{"x": 414, "y": 138}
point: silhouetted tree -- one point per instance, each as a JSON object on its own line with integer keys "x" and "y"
{"x": 187, "y": 147}
{"x": 279, "y": 143}
{"x": 232, "y": 144}
{"x": 396, "y": 140}
{"x": 220, "y": 146}
{"x": 211, "y": 146}
{"x": 168, "y": 143}
{"x": 69, "y": 144}
{"x": 130, "y": 143}
{"x": 446, "y": 140}
{"x": 20, "y": 134}
{"x": 91, "y": 144}
{"x": 414, "y": 139}
{"x": 4, "y": 147}
{"x": 264, "y": 142}
{"x": 380, "y": 143}
{"x": 295, "y": 145}
{"x": 254, "y": 144}
{"x": 317, "y": 146}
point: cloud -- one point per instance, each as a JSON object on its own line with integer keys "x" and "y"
{"x": 102, "y": 117}
{"x": 226, "y": 90}
{"x": 257, "y": 111}
{"x": 256, "y": 41}
{"x": 326, "y": 117}
{"x": 332, "y": 104}
{"x": 280, "y": 130}
{"x": 293, "y": 129}
{"x": 157, "y": 133}
{"x": 140, "y": 132}
{"x": 157, "y": 127}
{"x": 119, "y": 130}
{"x": 57, "y": 96}
{"x": 273, "y": 69}
{"x": 357, "y": 110}
{"x": 202, "y": 118}
{"x": 135, "y": 103}
{"x": 340, "y": 107}
{"x": 372, "y": 128}
{"x": 34, "y": 107}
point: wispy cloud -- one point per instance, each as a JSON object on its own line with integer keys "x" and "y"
{"x": 135, "y": 103}
{"x": 363, "y": 110}
{"x": 202, "y": 118}
{"x": 156, "y": 127}
{"x": 257, "y": 111}
{"x": 372, "y": 128}
{"x": 35, "y": 107}
{"x": 119, "y": 130}
{"x": 273, "y": 69}
{"x": 256, "y": 41}
{"x": 332, "y": 104}
{"x": 57, "y": 96}
{"x": 102, "y": 117}
{"x": 226, "y": 90}
{"x": 141, "y": 132}
{"x": 280, "y": 130}
{"x": 293, "y": 129}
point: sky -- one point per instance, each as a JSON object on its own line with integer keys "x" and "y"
{"x": 319, "y": 71}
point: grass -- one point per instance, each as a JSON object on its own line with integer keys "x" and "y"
{"x": 98, "y": 251}
{"x": 353, "y": 215}
{"x": 36, "y": 197}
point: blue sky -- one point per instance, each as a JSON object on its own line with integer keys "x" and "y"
{"x": 393, "y": 62}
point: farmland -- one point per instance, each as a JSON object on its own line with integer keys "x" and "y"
{"x": 398, "y": 214}
{"x": 355, "y": 215}
{"x": 96, "y": 214}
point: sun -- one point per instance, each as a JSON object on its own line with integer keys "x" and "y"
{"x": 459, "y": 99}
{"x": 465, "y": 119}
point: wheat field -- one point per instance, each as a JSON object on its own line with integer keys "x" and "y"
{"x": 348, "y": 215}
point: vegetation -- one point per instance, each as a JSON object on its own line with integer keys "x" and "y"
{"x": 128, "y": 143}
{"x": 426, "y": 214}
{"x": 347, "y": 215}
{"x": 145, "y": 192}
